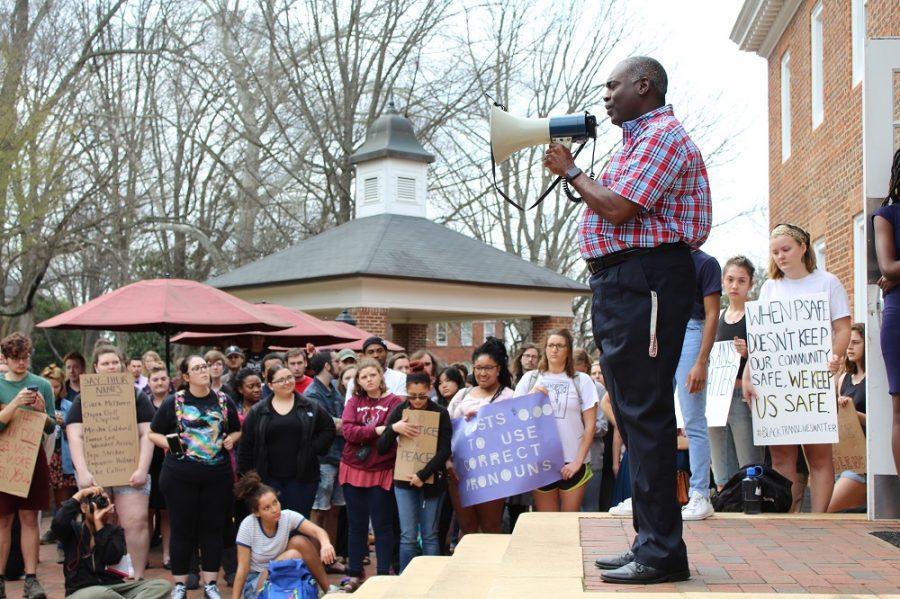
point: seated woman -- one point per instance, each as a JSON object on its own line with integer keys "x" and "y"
{"x": 265, "y": 536}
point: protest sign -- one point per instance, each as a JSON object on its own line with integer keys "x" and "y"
{"x": 508, "y": 447}
{"x": 850, "y": 452}
{"x": 19, "y": 443}
{"x": 414, "y": 453}
{"x": 724, "y": 363}
{"x": 789, "y": 341}
{"x": 111, "y": 445}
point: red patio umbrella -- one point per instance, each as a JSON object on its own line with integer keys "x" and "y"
{"x": 305, "y": 329}
{"x": 359, "y": 336}
{"x": 166, "y": 306}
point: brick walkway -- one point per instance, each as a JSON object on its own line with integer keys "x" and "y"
{"x": 751, "y": 555}
{"x": 51, "y": 575}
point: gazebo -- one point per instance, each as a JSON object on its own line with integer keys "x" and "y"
{"x": 399, "y": 272}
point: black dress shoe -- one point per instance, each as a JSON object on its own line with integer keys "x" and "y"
{"x": 635, "y": 573}
{"x": 611, "y": 562}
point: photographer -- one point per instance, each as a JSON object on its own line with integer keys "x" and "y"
{"x": 91, "y": 544}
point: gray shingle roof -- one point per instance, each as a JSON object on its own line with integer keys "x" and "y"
{"x": 391, "y": 136}
{"x": 391, "y": 245}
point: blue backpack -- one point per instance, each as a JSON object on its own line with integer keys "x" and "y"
{"x": 289, "y": 579}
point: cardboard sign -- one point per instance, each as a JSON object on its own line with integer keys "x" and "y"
{"x": 724, "y": 363}
{"x": 789, "y": 343}
{"x": 111, "y": 444}
{"x": 19, "y": 443}
{"x": 509, "y": 447}
{"x": 414, "y": 454}
{"x": 850, "y": 452}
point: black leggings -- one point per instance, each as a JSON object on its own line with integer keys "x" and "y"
{"x": 198, "y": 509}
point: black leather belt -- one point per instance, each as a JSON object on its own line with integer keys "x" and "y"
{"x": 600, "y": 264}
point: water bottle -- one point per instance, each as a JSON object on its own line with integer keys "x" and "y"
{"x": 751, "y": 490}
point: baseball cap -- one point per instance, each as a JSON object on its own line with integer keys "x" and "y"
{"x": 346, "y": 354}
{"x": 374, "y": 340}
{"x": 233, "y": 349}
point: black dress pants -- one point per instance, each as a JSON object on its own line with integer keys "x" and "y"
{"x": 641, "y": 386}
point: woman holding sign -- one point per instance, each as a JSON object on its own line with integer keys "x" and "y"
{"x": 573, "y": 397}
{"x": 365, "y": 475}
{"x": 490, "y": 364}
{"x": 419, "y": 498}
{"x": 793, "y": 273}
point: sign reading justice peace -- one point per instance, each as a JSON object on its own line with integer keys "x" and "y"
{"x": 508, "y": 447}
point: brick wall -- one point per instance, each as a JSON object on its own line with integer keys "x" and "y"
{"x": 374, "y": 320}
{"x": 455, "y": 350}
{"x": 819, "y": 187}
{"x": 410, "y": 336}
{"x": 541, "y": 324}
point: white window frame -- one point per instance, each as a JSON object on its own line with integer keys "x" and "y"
{"x": 818, "y": 247}
{"x": 441, "y": 334}
{"x": 785, "y": 106}
{"x": 817, "y": 67}
{"x": 860, "y": 267}
{"x": 858, "y": 37}
{"x": 465, "y": 333}
{"x": 487, "y": 329}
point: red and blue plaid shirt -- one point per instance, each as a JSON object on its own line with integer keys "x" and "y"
{"x": 659, "y": 168}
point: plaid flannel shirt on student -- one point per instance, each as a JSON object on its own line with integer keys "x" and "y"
{"x": 659, "y": 168}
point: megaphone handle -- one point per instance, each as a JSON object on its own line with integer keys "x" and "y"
{"x": 497, "y": 187}
{"x": 557, "y": 180}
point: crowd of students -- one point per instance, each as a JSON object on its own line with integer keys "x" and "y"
{"x": 290, "y": 455}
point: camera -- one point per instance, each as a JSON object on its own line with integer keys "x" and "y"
{"x": 96, "y": 502}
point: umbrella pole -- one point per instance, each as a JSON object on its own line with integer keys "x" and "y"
{"x": 168, "y": 360}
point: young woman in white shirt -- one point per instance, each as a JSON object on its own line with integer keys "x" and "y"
{"x": 792, "y": 273}
{"x": 573, "y": 396}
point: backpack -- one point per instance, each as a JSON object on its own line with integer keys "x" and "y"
{"x": 289, "y": 579}
{"x": 776, "y": 492}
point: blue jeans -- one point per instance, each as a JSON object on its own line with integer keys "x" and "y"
{"x": 294, "y": 495}
{"x": 364, "y": 503}
{"x": 418, "y": 515}
{"x": 693, "y": 409}
{"x": 732, "y": 444}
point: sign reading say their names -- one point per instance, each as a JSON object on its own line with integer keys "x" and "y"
{"x": 724, "y": 363}
{"x": 111, "y": 444}
{"x": 789, "y": 342}
{"x": 414, "y": 453}
{"x": 508, "y": 447}
{"x": 19, "y": 443}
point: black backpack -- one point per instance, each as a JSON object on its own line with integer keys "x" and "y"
{"x": 776, "y": 492}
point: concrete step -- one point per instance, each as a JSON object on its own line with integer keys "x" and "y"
{"x": 376, "y": 587}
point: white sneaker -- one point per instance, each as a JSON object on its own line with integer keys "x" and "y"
{"x": 623, "y": 509}
{"x": 211, "y": 591}
{"x": 698, "y": 508}
{"x": 179, "y": 591}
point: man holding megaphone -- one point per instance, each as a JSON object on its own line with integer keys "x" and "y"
{"x": 641, "y": 217}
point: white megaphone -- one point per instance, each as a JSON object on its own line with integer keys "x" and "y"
{"x": 509, "y": 134}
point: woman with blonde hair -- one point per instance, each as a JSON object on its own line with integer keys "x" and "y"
{"x": 793, "y": 273}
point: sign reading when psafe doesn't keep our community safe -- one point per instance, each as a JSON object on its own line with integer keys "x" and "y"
{"x": 789, "y": 342}
{"x": 508, "y": 447}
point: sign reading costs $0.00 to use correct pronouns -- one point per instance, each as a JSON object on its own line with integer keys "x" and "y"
{"x": 508, "y": 447}
{"x": 789, "y": 342}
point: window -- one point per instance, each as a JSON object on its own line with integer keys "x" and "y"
{"x": 860, "y": 268}
{"x": 465, "y": 334}
{"x": 785, "y": 106}
{"x": 406, "y": 189}
{"x": 371, "y": 190}
{"x": 440, "y": 334}
{"x": 858, "y": 35}
{"x": 488, "y": 329}
{"x": 819, "y": 252}
{"x": 816, "y": 60}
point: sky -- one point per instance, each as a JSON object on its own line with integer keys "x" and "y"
{"x": 707, "y": 71}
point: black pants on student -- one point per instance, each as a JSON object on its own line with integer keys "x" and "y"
{"x": 198, "y": 510}
{"x": 641, "y": 386}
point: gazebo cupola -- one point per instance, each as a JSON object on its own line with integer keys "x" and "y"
{"x": 391, "y": 169}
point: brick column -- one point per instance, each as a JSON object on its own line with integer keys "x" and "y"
{"x": 410, "y": 336}
{"x": 541, "y": 324}
{"x": 374, "y": 320}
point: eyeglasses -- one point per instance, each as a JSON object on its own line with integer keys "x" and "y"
{"x": 557, "y": 346}
{"x": 420, "y": 396}
{"x": 484, "y": 368}
{"x": 199, "y": 368}
{"x": 283, "y": 380}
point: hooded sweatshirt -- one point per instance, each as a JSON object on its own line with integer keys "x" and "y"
{"x": 361, "y": 416}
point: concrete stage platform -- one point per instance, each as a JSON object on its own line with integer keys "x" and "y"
{"x": 731, "y": 555}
